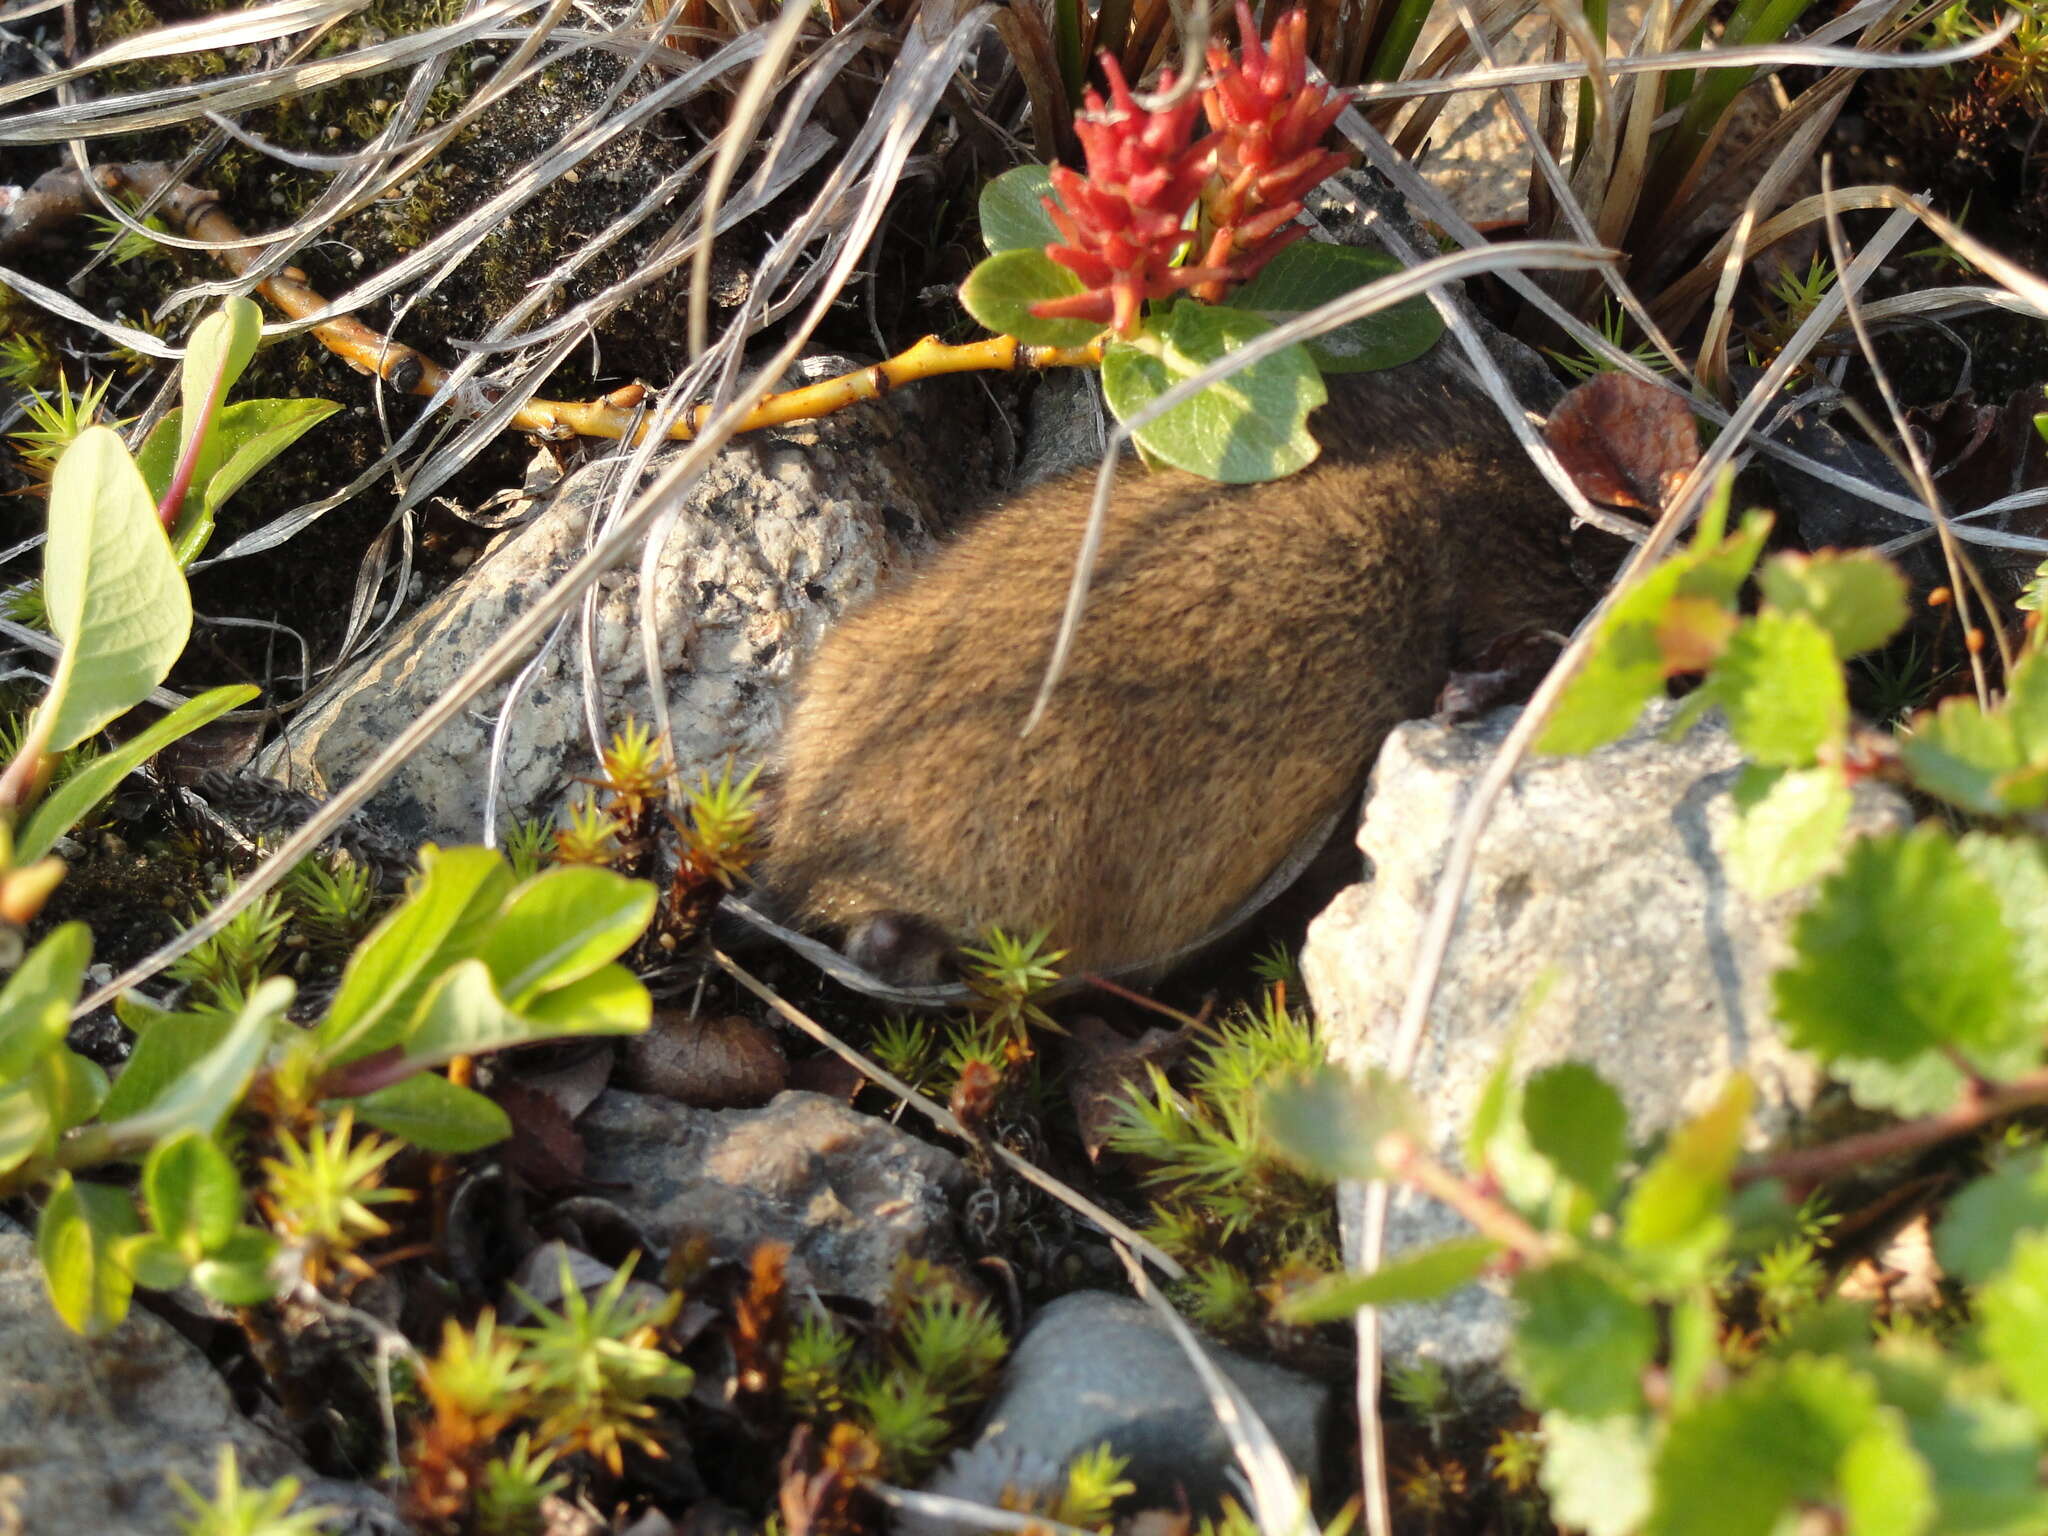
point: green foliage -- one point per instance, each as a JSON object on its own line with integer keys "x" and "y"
{"x": 224, "y": 969}
{"x": 816, "y": 1367}
{"x": 907, "y": 1418}
{"x": 321, "y": 1192}
{"x": 529, "y": 846}
{"x": 330, "y": 897}
{"x": 598, "y": 1368}
{"x": 237, "y": 1511}
{"x": 1230, "y": 1203}
{"x": 514, "y": 1487}
{"x": 1095, "y": 1481}
{"x": 1007, "y": 975}
{"x": 55, "y": 422}
{"x": 954, "y": 1345}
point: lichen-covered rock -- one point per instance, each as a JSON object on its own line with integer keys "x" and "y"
{"x": 782, "y": 532}
{"x": 1604, "y": 875}
{"x": 851, "y": 1194}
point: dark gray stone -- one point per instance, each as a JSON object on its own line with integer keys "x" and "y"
{"x": 1094, "y": 1367}
{"x": 851, "y": 1194}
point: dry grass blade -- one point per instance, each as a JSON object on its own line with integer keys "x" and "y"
{"x": 948, "y": 1122}
{"x": 949, "y": 1511}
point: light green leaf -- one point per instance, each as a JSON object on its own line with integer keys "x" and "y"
{"x": 1576, "y": 1120}
{"x": 1857, "y": 597}
{"x": 431, "y": 1112}
{"x": 241, "y": 1272}
{"x": 454, "y": 898}
{"x": 246, "y": 436}
{"x": 1310, "y": 273}
{"x": 76, "y": 1241}
{"x": 35, "y": 1004}
{"x": 26, "y": 1123}
{"x": 1995, "y": 764}
{"x": 1976, "y": 1237}
{"x": 192, "y": 1193}
{"x": 609, "y": 1001}
{"x": 71, "y": 1088}
{"x": 69, "y": 803}
{"x": 1597, "y": 1473}
{"x": 1422, "y": 1275}
{"x": 153, "y": 1262}
{"x": 115, "y": 595}
{"x": 1788, "y": 827}
{"x": 1013, "y": 216}
{"x": 1903, "y": 953}
{"x": 1984, "y": 1450}
{"x": 220, "y": 349}
{"x": 202, "y": 1096}
{"x": 161, "y": 1058}
{"x": 1580, "y": 1345}
{"x": 2012, "y": 1317}
{"x": 1252, "y": 426}
{"x": 1332, "y": 1122}
{"x": 1887, "y": 1489}
{"x": 561, "y": 926}
{"x": 1781, "y": 684}
{"x": 1736, "y": 1463}
{"x": 1673, "y": 1222}
{"x": 1001, "y": 290}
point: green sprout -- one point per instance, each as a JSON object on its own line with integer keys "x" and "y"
{"x": 320, "y": 1192}
{"x": 955, "y": 1345}
{"x": 814, "y": 1367}
{"x": 56, "y": 421}
{"x": 331, "y": 899}
{"x": 513, "y": 1489}
{"x": 529, "y": 846}
{"x": 237, "y": 1511}
{"x": 226, "y": 968}
{"x": 723, "y": 818}
{"x": 1007, "y": 975}
{"x": 907, "y": 1418}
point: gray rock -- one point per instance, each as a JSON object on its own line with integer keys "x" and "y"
{"x": 783, "y": 531}
{"x": 1604, "y": 871}
{"x": 1094, "y": 1367}
{"x": 92, "y": 1430}
{"x": 850, "y": 1193}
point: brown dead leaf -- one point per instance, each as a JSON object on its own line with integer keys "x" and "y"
{"x": 544, "y": 1148}
{"x": 725, "y": 1062}
{"x": 1624, "y": 442}
{"x": 1101, "y": 1062}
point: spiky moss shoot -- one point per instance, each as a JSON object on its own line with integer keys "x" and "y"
{"x": 319, "y": 1193}
{"x": 224, "y": 970}
{"x": 513, "y": 1489}
{"x": 589, "y": 836}
{"x": 232, "y": 1510}
{"x": 1245, "y": 1220}
{"x": 331, "y": 900}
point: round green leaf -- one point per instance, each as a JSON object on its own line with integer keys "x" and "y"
{"x": 77, "y": 1240}
{"x": 239, "y": 1273}
{"x": 115, "y": 595}
{"x": 1780, "y": 682}
{"x": 1310, "y": 273}
{"x": 560, "y": 927}
{"x": 1576, "y": 1119}
{"x": 1249, "y": 427}
{"x": 2012, "y": 1309}
{"x": 1332, "y": 1122}
{"x": 1857, "y": 597}
{"x": 1580, "y": 1345}
{"x": 155, "y": 1262}
{"x": 1788, "y": 827}
{"x": 1000, "y": 292}
{"x": 1013, "y": 216}
{"x": 192, "y": 1193}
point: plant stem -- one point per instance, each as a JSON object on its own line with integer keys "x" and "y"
{"x": 1813, "y": 1164}
{"x": 1404, "y": 1159}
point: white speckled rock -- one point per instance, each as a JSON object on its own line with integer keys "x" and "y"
{"x": 1606, "y": 871}
{"x": 783, "y": 531}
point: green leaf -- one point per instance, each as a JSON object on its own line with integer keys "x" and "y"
{"x": 192, "y": 1192}
{"x": 464, "y": 1016}
{"x": 1001, "y": 290}
{"x": 1976, "y": 1237}
{"x": 2016, "y": 869}
{"x": 1739, "y": 1462}
{"x": 253, "y": 432}
{"x": 35, "y": 1004}
{"x": 161, "y": 1058}
{"x": 1903, "y": 953}
{"x": 203, "y": 1094}
{"x": 241, "y": 1272}
{"x": 1673, "y": 1221}
{"x": 1013, "y": 216}
{"x": 1995, "y": 764}
{"x": 560, "y": 927}
{"x": 1984, "y": 1450}
{"x": 454, "y": 897}
{"x": 1781, "y": 685}
{"x": 153, "y": 1262}
{"x": 76, "y": 1241}
{"x": 69, "y": 803}
{"x": 1695, "y": 1344}
{"x": 1788, "y": 827}
{"x": 220, "y": 349}
{"x": 1252, "y": 426}
{"x": 1857, "y": 597}
{"x": 431, "y": 1112}
{"x": 71, "y": 1088}
{"x": 609, "y": 1001}
{"x": 1580, "y": 1345}
{"x": 1597, "y": 1473}
{"x": 1422, "y": 1275}
{"x": 115, "y": 595}
{"x": 2012, "y": 1318}
{"x": 1887, "y": 1489}
{"x": 1311, "y": 273}
{"x": 1333, "y": 1123}
{"x": 27, "y": 1125}
{"x": 1496, "y": 1100}
{"x": 1575, "y": 1119}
